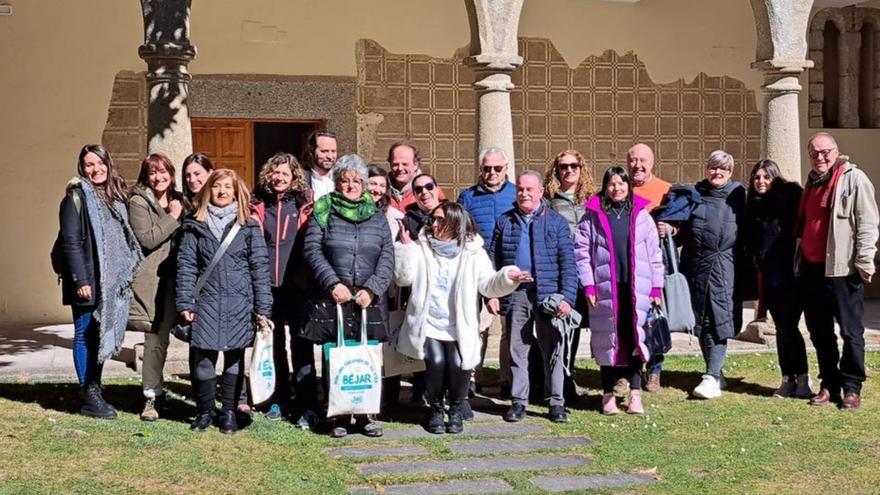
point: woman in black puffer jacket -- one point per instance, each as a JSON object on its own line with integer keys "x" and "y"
{"x": 350, "y": 254}
{"x": 237, "y": 289}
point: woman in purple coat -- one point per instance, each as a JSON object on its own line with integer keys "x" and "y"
{"x": 619, "y": 264}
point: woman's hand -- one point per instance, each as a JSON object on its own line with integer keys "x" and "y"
{"x": 403, "y": 235}
{"x": 341, "y": 294}
{"x": 187, "y": 315}
{"x": 363, "y": 297}
{"x": 494, "y": 306}
{"x": 592, "y": 301}
{"x": 655, "y": 301}
{"x": 563, "y": 310}
{"x": 175, "y": 208}
{"x": 84, "y": 292}
{"x": 664, "y": 228}
{"x": 520, "y": 276}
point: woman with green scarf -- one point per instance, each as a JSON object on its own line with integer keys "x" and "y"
{"x": 350, "y": 254}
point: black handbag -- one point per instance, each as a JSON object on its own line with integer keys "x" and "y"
{"x": 182, "y": 330}
{"x": 657, "y": 336}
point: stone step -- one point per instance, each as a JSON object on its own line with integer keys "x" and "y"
{"x": 384, "y": 450}
{"x": 514, "y": 446}
{"x": 562, "y": 483}
{"x": 482, "y": 429}
{"x": 477, "y": 465}
{"x": 478, "y": 486}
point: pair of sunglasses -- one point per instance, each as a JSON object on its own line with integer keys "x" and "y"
{"x": 427, "y": 187}
{"x": 493, "y": 168}
{"x": 568, "y": 166}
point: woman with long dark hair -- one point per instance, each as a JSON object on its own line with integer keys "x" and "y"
{"x": 449, "y": 271}
{"x": 101, "y": 255}
{"x": 770, "y": 244}
{"x": 617, "y": 251}
{"x": 155, "y": 211}
{"x": 197, "y": 167}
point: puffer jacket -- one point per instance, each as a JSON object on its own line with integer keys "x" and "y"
{"x": 570, "y": 210}
{"x": 486, "y": 205}
{"x": 594, "y": 255}
{"x": 78, "y": 246}
{"x": 552, "y": 252}
{"x": 359, "y": 255}
{"x": 769, "y": 234}
{"x": 153, "y": 288}
{"x": 237, "y": 288}
{"x": 415, "y": 266}
{"x": 282, "y": 218}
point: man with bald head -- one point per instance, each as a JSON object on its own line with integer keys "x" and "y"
{"x": 640, "y": 159}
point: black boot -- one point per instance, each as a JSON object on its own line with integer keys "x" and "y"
{"x": 455, "y": 424}
{"x": 228, "y": 423}
{"x": 94, "y": 404}
{"x": 204, "y": 395}
{"x": 435, "y": 419}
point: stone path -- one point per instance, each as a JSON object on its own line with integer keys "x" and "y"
{"x": 525, "y": 447}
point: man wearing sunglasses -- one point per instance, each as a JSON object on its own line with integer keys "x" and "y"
{"x": 837, "y": 222}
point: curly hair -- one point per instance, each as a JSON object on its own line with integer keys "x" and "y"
{"x": 585, "y": 187}
{"x": 298, "y": 178}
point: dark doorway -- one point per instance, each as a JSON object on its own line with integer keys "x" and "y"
{"x": 274, "y": 137}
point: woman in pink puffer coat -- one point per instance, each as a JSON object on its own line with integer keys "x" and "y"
{"x": 620, "y": 266}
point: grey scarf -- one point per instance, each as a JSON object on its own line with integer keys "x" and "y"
{"x": 445, "y": 249}
{"x": 119, "y": 258}
{"x": 218, "y": 218}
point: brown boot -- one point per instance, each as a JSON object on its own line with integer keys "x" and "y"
{"x": 150, "y": 412}
{"x": 653, "y": 384}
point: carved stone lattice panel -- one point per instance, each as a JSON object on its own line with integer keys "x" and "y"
{"x": 600, "y": 108}
{"x": 125, "y": 133}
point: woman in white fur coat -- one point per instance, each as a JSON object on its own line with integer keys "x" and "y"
{"x": 448, "y": 270}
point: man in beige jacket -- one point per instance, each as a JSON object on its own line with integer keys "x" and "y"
{"x": 838, "y": 222}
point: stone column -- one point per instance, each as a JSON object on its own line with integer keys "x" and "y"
{"x": 494, "y": 54}
{"x": 781, "y": 56}
{"x": 167, "y": 51}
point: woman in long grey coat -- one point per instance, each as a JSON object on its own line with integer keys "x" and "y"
{"x": 154, "y": 211}
{"x": 235, "y": 292}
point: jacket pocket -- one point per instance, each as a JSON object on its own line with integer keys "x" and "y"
{"x": 286, "y": 227}
{"x": 844, "y": 205}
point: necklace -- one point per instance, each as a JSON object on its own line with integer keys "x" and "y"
{"x": 618, "y": 211}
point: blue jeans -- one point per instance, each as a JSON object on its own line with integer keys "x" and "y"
{"x": 85, "y": 347}
{"x": 655, "y": 364}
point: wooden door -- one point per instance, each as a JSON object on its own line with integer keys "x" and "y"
{"x": 229, "y": 143}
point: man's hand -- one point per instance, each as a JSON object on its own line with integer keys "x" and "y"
{"x": 341, "y": 294}
{"x": 84, "y": 292}
{"x": 494, "y": 306}
{"x": 866, "y": 277}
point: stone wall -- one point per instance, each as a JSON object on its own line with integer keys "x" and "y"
{"x": 601, "y": 108}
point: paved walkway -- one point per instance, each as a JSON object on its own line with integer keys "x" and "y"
{"x": 44, "y": 351}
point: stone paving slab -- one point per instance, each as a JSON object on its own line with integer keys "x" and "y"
{"x": 482, "y": 429}
{"x": 560, "y": 483}
{"x": 479, "y": 486}
{"x": 514, "y": 446}
{"x": 378, "y": 450}
{"x": 477, "y": 465}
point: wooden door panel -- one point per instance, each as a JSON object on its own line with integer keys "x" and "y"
{"x": 228, "y": 143}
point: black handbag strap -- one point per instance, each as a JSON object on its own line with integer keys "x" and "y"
{"x": 671, "y": 253}
{"x": 203, "y": 278}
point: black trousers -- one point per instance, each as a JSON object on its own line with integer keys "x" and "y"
{"x": 281, "y": 316}
{"x": 784, "y": 305}
{"x": 443, "y": 371}
{"x": 203, "y": 374}
{"x": 827, "y": 299}
{"x": 305, "y": 376}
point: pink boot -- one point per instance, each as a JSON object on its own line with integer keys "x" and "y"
{"x": 635, "y": 402}
{"x": 609, "y": 405}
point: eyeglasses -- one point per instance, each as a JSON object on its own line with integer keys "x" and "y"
{"x": 815, "y": 153}
{"x": 563, "y": 167}
{"x": 427, "y": 187}
{"x": 488, "y": 169}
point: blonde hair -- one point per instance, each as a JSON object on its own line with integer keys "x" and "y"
{"x": 584, "y": 187}
{"x": 242, "y": 195}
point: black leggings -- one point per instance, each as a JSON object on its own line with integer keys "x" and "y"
{"x": 442, "y": 371}
{"x": 203, "y": 373}
{"x": 632, "y": 372}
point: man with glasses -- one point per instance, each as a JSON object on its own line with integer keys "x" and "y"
{"x": 640, "y": 159}
{"x": 837, "y": 223}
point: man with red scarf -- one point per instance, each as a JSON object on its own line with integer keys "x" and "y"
{"x": 838, "y": 229}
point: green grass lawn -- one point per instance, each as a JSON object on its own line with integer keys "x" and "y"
{"x": 746, "y": 442}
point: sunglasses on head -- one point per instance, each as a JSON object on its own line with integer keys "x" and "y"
{"x": 427, "y": 187}
{"x": 568, "y": 166}
{"x": 487, "y": 169}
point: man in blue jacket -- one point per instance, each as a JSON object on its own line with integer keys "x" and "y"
{"x": 538, "y": 240}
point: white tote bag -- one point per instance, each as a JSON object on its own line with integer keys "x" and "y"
{"x": 355, "y": 373}
{"x": 262, "y": 369}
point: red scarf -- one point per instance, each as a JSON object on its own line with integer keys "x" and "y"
{"x": 827, "y": 196}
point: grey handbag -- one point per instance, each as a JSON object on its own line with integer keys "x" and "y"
{"x": 676, "y": 300}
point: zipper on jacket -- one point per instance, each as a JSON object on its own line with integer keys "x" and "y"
{"x": 278, "y": 212}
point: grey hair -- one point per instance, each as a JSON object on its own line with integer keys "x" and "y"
{"x": 824, "y": 135}
{"x": 350, "y": 163}
{"x": 492, "y": 151}
{"x": 533, "y": 173}
{"x": 720, "y": 159}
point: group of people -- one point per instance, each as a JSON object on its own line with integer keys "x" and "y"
{"x": 549, "y": 254}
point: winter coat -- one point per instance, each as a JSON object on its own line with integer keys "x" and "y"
{"x": 415, "y": 265}
{"x": 769, "y": 233}
{"x": 486, "y": 205}
{"x": 594, "y": 255}
{"x": 414, "y": 220}
{"x": 152, "y": 305}
{"x": 681, "y": 200}
{"x": 711, "y": 251}
{"x": 359, "y": 255}
{"x": 282, "y": 218}
{"x": 78, "y": 243}
{"x": 571, "y": 211}
{"x": 237, "y": 288}
{"x": 552, "y": 252}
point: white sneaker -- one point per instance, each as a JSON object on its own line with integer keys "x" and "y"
{"x": 804, "y": 386}
{"x": 786, "y": 388}
{"x": 709, "y": 388}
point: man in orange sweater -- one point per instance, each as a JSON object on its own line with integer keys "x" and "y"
{"x": 640, "y": 159}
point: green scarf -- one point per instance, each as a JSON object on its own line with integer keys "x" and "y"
{"x": 353, "y": 211}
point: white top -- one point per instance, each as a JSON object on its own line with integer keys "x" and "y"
{"x": 440, "y": 321}
{"x": 322, "y": 185}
